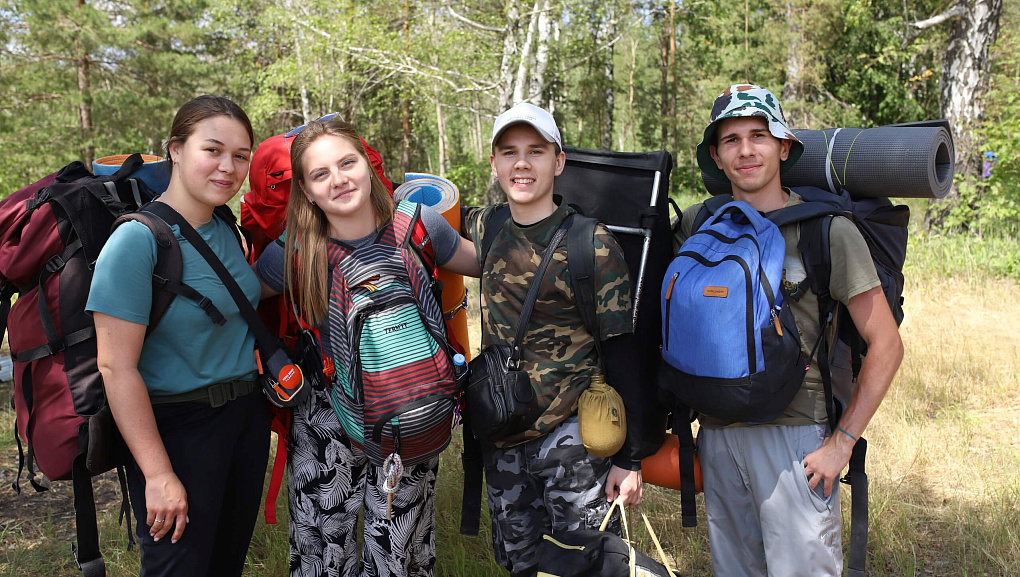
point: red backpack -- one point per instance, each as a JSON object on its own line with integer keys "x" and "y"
{"x": 264, "y": 215}
{"x": 51, "y": 233}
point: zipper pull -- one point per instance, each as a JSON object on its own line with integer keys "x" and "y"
{"x": 672, "y": 281}
{"x": 775, "y": 321}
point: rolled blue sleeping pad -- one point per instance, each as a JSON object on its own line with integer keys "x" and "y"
{"x": 155, "y": 172}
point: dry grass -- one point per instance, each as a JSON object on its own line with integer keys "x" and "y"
{"x": 944, "y": 463}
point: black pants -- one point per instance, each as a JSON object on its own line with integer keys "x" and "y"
{"x": 220, "y": 456}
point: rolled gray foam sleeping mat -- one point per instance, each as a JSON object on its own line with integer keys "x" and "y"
{"x": 889, "y": 161}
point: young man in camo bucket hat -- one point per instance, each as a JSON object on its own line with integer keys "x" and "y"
{"x": 772, "y": 490}
{"x": 744, "y": 100}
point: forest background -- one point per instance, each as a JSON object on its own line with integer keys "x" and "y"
{"x": 422, "y": 81}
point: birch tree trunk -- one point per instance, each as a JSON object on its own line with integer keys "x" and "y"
{"x": 506, "y": 66}
{"x": 84, "y": 65}
{"x": 405, "y": 108}
{"x": 628, "y": 131}
{"x": 494, "y": 193}
{"x": 479, "y": 132}
{"x": 441, "y": 129}
{"x": 974, "y": 28}
{"x": 554, "y": 98}
{"x": 793, "y": 90}
{"x": 306, "y": 112}
{"x": 607, "y": 120}
{"x": 536, "y": 87}
{"x": 667, "y": 52}
{"x": 522, "y": 84}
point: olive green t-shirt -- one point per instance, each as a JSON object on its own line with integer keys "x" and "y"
{"x": 558, "y": 353}
{"x": 852, "y": 273}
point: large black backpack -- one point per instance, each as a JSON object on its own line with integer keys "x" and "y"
{"x": 884, "y": 228}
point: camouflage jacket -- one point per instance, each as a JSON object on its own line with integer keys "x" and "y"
{"x": 558, "y": 352}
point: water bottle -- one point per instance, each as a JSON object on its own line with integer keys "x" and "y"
{"x": 459, "y": 367}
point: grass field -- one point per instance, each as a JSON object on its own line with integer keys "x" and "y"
{"x": 944, "y": 457}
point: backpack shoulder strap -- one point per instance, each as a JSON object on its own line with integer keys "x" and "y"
{"x": 493, "y": 225}
{"x": 266, "y": 342}
{"x": 405, "y": 215}
{"x": 168, "y": 274}
{"x": 241, "y": 234}
{"x": 708, "y": 208}
{"x": 814, "y": 248}
{"x": 416, "y": 237}
{"x": 581, "y": 265}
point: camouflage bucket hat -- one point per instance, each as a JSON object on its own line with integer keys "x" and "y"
{"x": 746, "y": 100}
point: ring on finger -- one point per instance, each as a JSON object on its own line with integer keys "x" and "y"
{"x": 159, "y": 520}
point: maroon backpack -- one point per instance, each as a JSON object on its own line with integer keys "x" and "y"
{"x": 51, "y": 233}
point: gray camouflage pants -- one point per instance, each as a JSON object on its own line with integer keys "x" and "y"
{"x": 545, "y": 485}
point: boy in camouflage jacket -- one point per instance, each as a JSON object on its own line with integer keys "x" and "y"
{"x": 542, "y": 479}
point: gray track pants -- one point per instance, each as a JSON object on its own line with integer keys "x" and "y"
{"x": 763, "y": 519}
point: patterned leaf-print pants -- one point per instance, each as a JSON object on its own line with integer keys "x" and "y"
{"x": 331, "y": 483}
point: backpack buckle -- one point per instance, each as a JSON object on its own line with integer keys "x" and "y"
{"x": 55, "y": 263}
{"x": 210, "y": 309}
{"x": 221, "y": 394}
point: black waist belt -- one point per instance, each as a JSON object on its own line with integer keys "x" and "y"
{"x": 214, "y": 395}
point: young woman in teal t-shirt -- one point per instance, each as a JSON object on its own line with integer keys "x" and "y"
{"x": 197, "y": 466}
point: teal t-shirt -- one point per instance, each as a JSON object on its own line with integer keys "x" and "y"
{"x": 186, "y": 351}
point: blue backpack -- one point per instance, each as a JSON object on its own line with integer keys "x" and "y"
{"x": 729, "y": 341}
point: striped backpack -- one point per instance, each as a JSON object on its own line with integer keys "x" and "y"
{"x": 394, "y": 390}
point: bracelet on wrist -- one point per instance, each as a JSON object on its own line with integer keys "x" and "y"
{"x": 844, "y": 431}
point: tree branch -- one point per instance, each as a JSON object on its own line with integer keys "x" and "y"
{"x": 470, "y": 22}
{"x": 411, "y": 67}
{"x": 954, "y": 12}
{"x": 31, "y": 100}
{"x": 485, "y": 113}
{"x": 609, "y": 44}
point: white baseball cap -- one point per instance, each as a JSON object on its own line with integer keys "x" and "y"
{"x": 533, "y": 116}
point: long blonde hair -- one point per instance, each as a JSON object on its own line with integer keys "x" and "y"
{"x": 308, "y": 227}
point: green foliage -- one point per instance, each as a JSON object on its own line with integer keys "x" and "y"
{"x": 471, "y": 180}
{"x": 967, "y": 256}
{"x": 145, "y": 60}
{"x": 835, "y": 63}
{"x": 996, "y": 201}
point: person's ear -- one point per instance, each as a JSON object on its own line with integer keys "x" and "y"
{"x": 561, "y": 161}
{"x": 784, "y": 148}
{"x": 174, "y": 150}
{"x": 492, "y": 163}
{"x": 308, "y": 197}
{"x": 715, "y": 156}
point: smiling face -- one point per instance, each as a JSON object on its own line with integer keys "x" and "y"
{"x": 212, "y": 162}
{"x": 525, "y": 165}
{"x": 750, "y": 156}
{"x": 337, "y": 179}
